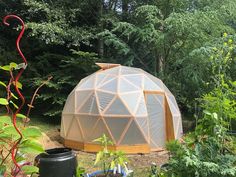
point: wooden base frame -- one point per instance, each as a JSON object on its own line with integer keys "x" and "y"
{"x": 90, "y": 147}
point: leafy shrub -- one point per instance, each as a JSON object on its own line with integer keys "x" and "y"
{"x": 14, "y": 147}
{"x": 210, "y": 150}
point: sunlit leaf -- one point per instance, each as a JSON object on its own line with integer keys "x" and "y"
{"x": 3, "y": 84}
{"x": 14, "y": 96}
{"x": 30, "y": 146}
{"x": 18, "y": 84}
{"x": 5, "y": 119}
{"x": 98, "y": 157}
{"x": 20, "y": 159}
{"x": 207, "y": 112}
{"x": 22, "y": 116}
{"x": 3, "y": 101}
{"x": 28, "y": 169}
{"x": 10, "y": 130}
{"x": 5, "y": 68}
{"x": 13, "y": 65}
{"x": 2, "y": 169}
{"x": 14, "y": 104}
{"x": 31, "y": 132}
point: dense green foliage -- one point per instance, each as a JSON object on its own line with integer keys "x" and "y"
{"x": 171, "y": 39}
{"x": 10, "y": 138}
{"x": 210, "y": 150}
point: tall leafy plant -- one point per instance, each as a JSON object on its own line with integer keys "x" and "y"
{"x": 210, "y": 150}
{"x": 107, "y": 159}
{"x": 17, "y": 139}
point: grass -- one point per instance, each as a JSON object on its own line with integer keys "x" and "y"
{"x": 44, "y": 124}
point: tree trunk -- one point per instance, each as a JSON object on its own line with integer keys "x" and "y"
{"x": 125, "y": 8}
{"x": 101, "y": 26}
{"x": 160, "y": 64}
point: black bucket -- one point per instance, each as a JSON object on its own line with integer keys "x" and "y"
{"x": 58, "y": 162}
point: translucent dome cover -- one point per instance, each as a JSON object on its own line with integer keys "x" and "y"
{"x": 129, "y": 105}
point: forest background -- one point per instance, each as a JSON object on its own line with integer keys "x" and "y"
{"x": 174, "y": 40}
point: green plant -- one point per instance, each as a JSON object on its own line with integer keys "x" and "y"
{"x": 27, "y": 142}
{"x": 209, "y": 150}
{"x": 109, "y": 159}
{"x": 80, "y": 171}
{"x": 18, "y": 140}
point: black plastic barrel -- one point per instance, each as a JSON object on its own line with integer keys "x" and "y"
{"x": 58, "y": 162}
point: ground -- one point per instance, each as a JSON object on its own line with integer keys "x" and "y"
{"x": 140, "y": 163}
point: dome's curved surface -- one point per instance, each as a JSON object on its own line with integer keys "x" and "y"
{"x": 132, "y": 107}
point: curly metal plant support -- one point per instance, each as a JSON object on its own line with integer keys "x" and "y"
{"x": 22, "y": 68}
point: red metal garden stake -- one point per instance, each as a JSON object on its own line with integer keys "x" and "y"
{"x": 22, "y": 66}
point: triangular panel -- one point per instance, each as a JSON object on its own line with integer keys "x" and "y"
{"x": 90, "y": 106}
{"x": 104, "y": 99}
{"x": 87, "y": 123}
{"x": 126, "y": 86}
{"x": 62, "y": 129}
{"x": 157, "y": 81}
{"x": 66, "y": 122}
{"x": 82, "y": 81}
{"x": 117, "y": 108}
{"x": 74, "y": 131}
{"x": 131, "y": 99}
{"x": 110, "y": 86}
{"x": 143, "y": 124}
{"x": 127, "y": 70}
{"x": 171, "y": 99}
{"x": 99, "y": 130}
{"x": 81, "y": 97}
{"x": 133, "y": 135}
{"x": 178, "y": 129}
{"x": 116, "y": 126}
{"x": 99, "y": 79}
{"x": 107, "y": 79}
{"x": 150, "y": 85}
{"x": 88, "y": 84}
{"x": 69, "y": 107}
{"x": 167, "y": 90}
{"x": 137, "y": 79}
{"x": 141, "y": 109}
{"x": 153, "y": 145}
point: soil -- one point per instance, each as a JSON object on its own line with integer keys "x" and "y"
{"x": 140, "y": 163}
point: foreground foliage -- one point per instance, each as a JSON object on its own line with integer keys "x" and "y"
{"x": 210, "y": 150}
{"x": 13, "y": 162}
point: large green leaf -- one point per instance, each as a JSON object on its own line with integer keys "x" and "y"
{"x": 3, "y": 101}
{"x": 31, "y": 146}
{"x": 13, "y": 65}
{"x": 3, "y": 84}
{"x": 20, "y": 158}
{"x": 22, "y": 116}
{"x": 99, "y": 156}
{"x": 10, "y": 130}
{"x": 2, "y": 169}
{"x": 14, "y": 96}
{"x": 28, "y": 169}
{"x": 5, "y": 68}
{"x": 5, "y": 119}
{"x": 18, "y": 84}
{"x": 31, "y": 132}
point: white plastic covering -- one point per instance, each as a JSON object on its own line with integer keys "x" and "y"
{"x": 156, "y": 117}
{"x": 127, "y": 104}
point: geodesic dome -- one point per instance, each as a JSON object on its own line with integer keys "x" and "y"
{"x": 132, "y": 107}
